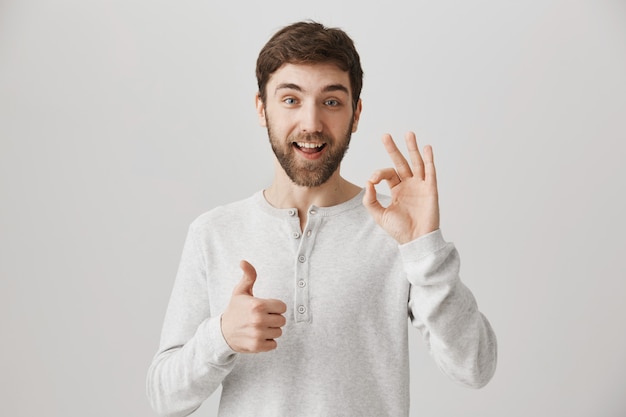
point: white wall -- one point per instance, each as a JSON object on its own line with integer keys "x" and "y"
{"x": 121, "y": 121}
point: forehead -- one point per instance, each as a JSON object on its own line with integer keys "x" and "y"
{"x": 309, "y": 77}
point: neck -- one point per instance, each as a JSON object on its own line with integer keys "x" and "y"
{"x": 283, "y": 193}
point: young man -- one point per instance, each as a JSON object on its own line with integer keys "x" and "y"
{"x": 317, "y": 325}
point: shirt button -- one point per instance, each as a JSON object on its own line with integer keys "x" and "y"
{"x": 292, "y": 212}
{"x": 295, "y": 235}
{"x": 301, "y": 283}
{"x": 302, "y": 258}
{"x": 308, "y": 233}
{"x": 301, "y": 309}
{"x": 312, "y": 211}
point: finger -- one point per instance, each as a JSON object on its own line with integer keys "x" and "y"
{"x": 267, "y": 345}
{"x": 261, "y": 345}
{"x": 275, "y": 320}
{"x": 273, "y": 306}
{"x": 273, "y": 333}
{"x": 388, "y": 174}
{"x": 429, "y": 165}
{"x": 414, "y": 154}
{"x": 399, "y": 161}
{"x": 371, "y": 203}
{"x": 244, "y": 287}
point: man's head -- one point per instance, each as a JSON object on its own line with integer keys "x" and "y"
{"x": 310, "y": 43}
{"x": 310, "y": 81}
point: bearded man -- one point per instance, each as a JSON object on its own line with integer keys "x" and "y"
{"x": 317, "y": 324}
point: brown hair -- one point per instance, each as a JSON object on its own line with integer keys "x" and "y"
{"x": 308, "y": 43}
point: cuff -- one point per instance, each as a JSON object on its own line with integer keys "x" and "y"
{"x": 220, "y": 352}
{"x": 423, "y": 246}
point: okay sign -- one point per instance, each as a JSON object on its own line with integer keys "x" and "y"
{"x": 414, "y": 207}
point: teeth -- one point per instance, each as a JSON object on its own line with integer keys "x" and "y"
{"x": 309, "y": 145}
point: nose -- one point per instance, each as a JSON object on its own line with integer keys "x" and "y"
{"x": 310, "y": 121}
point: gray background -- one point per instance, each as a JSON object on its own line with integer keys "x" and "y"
{"x": 121, "y": 121}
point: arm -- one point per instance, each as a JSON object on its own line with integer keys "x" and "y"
{"x": 193, "y": 357}
{"x": 459, "y": 336}
{"x": 198, "y": 351}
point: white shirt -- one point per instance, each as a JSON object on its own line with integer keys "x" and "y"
{"x": 349, "y": 290}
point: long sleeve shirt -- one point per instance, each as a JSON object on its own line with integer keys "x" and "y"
{"x": 349, "y": 290}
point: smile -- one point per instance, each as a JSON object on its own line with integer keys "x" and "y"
{"x": 309, "y": 147}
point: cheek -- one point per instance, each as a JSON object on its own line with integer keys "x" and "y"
{"x": 281, "y": 124}
{"x": 343, "y": 125}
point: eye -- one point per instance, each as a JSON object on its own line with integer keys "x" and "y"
{"x": 289, "y": 101}
{"x": 332, "y": 103}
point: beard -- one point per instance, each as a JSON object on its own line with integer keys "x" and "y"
{"x": 309, "y": 173}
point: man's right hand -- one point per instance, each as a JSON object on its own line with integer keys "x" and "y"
{"x": 250, "y": 324}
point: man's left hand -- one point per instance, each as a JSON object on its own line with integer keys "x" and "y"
{"x": 414, "y": 207}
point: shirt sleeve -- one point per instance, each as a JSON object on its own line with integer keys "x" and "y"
{"x": 193, "y": 357}
{"x": 457, "y": 334}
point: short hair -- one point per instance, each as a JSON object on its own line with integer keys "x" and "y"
{"x": 310, "y": 42}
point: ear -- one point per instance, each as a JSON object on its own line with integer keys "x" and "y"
{"x": 260, "y": 110}
{"x": 357, "y": 116}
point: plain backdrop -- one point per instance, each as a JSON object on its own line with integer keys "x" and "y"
{"x": 121, "y": 121}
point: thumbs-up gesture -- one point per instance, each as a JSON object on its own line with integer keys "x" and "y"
{"x": 250, "y": 324}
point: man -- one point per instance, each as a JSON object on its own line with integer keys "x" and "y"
{"x": 317, "y": 325}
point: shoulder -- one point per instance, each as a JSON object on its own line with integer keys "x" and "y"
{"x": 228, "y": 214}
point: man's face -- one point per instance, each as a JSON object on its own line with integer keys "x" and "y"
{"x": 309, "y": 118}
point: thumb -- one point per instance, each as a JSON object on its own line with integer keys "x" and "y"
{"x": 244, "y": 287}
{"x": 371, "y": 202}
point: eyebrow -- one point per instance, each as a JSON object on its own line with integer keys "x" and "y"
{"x": 326, "y": 89}
{"x": 336, "y": 87}
{"x": 288, "y": 86}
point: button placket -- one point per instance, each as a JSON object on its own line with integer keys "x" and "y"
{"x": 302, "y": 310}
{"x": 294, "y": 231}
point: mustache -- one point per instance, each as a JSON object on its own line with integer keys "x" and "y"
{"x": 310, "y": 137}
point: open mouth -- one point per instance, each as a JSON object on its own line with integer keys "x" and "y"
{"x": 309, "y": 147}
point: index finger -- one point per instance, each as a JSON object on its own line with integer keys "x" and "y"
{"x": 274, "y": 306}
{"x": 402, "y": 166}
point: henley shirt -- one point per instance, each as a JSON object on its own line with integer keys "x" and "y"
{"x": 349, "y": 290}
